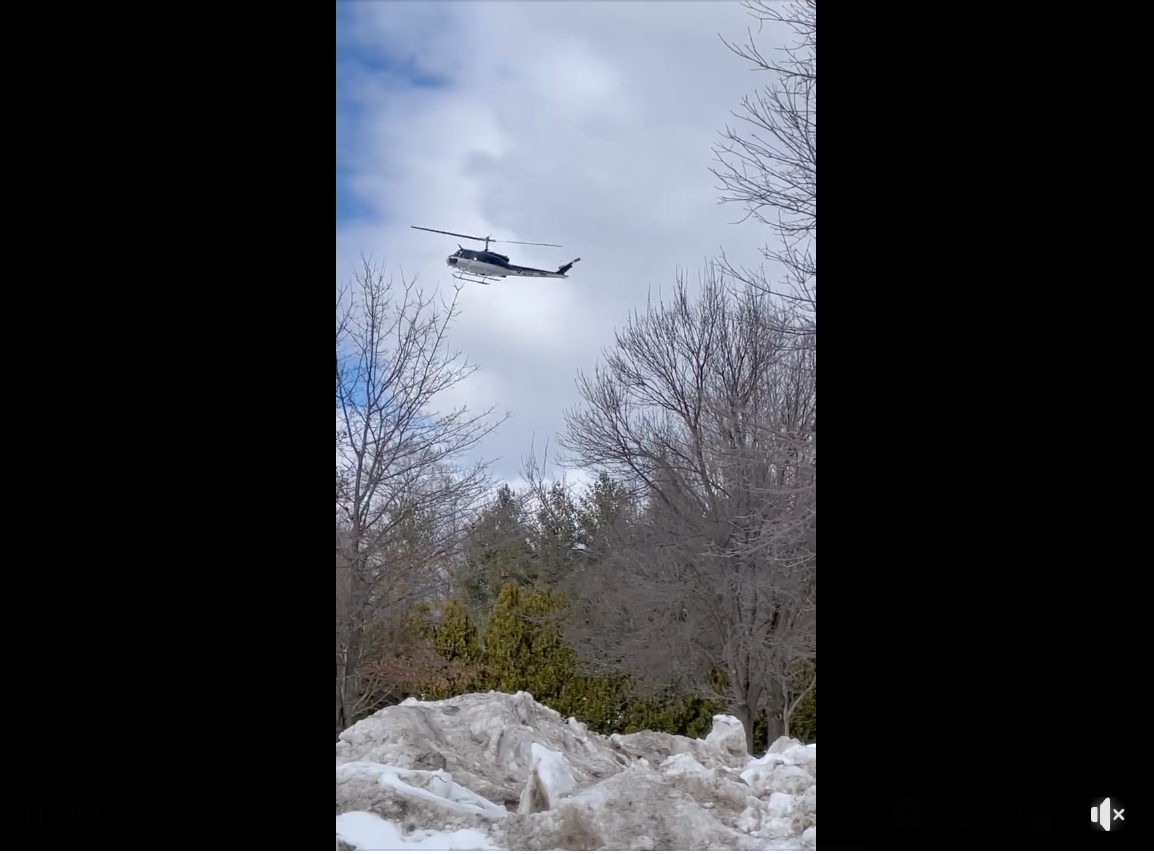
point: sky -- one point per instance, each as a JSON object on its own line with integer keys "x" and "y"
{"x": 587, "y": 124}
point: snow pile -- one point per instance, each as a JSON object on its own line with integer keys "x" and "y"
{"x": 503, "y": 772}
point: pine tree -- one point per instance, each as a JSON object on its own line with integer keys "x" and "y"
{"x": 505, "y": 645}
{"x": 456, "y": 636}
{"x": 604, "y": 506}
{"x": 557, "y": 538}
{"x": 497, "y": 551}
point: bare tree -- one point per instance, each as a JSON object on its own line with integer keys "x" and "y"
{"x": 344, "y": 312}
{"x": 706, "y": 406}
{"x": 769, "y": 163}
{"x": 400, "y": 491}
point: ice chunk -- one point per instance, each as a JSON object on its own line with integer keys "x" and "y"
{"x": 780, "y": 805}
{"x": 807, "y": 806}
{"x": 801, "y": 753}
{"x": 435, "y": 787}
{"x": 682, "y": 765}
{"x": 782, "y": 744}
{"x": 750, "y": 820}
{"x": 550, "y": 779}
{"x": 788, "y": 778}
{"x": 727, "y": 736}
{"x": 804, "y": 756}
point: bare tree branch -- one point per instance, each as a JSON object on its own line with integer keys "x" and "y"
{"x": 400, "y": 492}
{"x": 707, "y": 407}
{"x": 769, "y": 163}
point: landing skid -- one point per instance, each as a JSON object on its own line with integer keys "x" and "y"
{"x": 477, "y": 280}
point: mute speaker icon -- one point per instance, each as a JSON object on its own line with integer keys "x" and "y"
{"x": 1102, "y": 814}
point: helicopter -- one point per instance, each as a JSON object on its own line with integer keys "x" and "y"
{"x": 480, "y": 265}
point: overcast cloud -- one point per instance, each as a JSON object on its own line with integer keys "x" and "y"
{"x": 579, "y": 123}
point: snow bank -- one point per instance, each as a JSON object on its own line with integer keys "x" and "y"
{"x": 501, "y": 771}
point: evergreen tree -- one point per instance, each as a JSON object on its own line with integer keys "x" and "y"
{"x": 523, "y": 648}
{"x": 456, "y": 636}
{"x": 497, "y": 551}
{"x": 604, "y": 507}
{"x": 557, "y": 537}
{"x": 525, "y": 651}
{"x": 671, "y": 711}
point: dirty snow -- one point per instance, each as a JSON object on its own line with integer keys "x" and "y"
{"x": 502, "y": 772}
{"x": 365, "y": 831}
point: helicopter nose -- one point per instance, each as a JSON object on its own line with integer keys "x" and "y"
{"x": 451, "y": 261}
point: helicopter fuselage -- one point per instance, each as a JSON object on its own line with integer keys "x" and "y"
{"x": 492, "y": 265}
{"x": 485, "y": 264}
{"x": 479, "y": 263}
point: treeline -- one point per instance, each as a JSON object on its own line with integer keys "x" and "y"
{"x": 503, "y": 629}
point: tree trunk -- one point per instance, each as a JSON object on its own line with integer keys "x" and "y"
{"x": 350, "y": 672}
{"x": 787, "y": 716}
{"x": 774, "y": 708}
{"x": 774, "y": 726}
{"x": 744, "y": 714}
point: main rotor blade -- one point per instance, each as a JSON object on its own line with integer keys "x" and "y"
{"x": 450, "y": 233}
{"x": 484, "y": 239}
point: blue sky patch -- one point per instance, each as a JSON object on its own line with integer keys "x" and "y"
{"x": 357, "y": 62}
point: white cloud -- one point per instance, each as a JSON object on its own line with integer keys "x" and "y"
{"x": 586, "y": 124}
